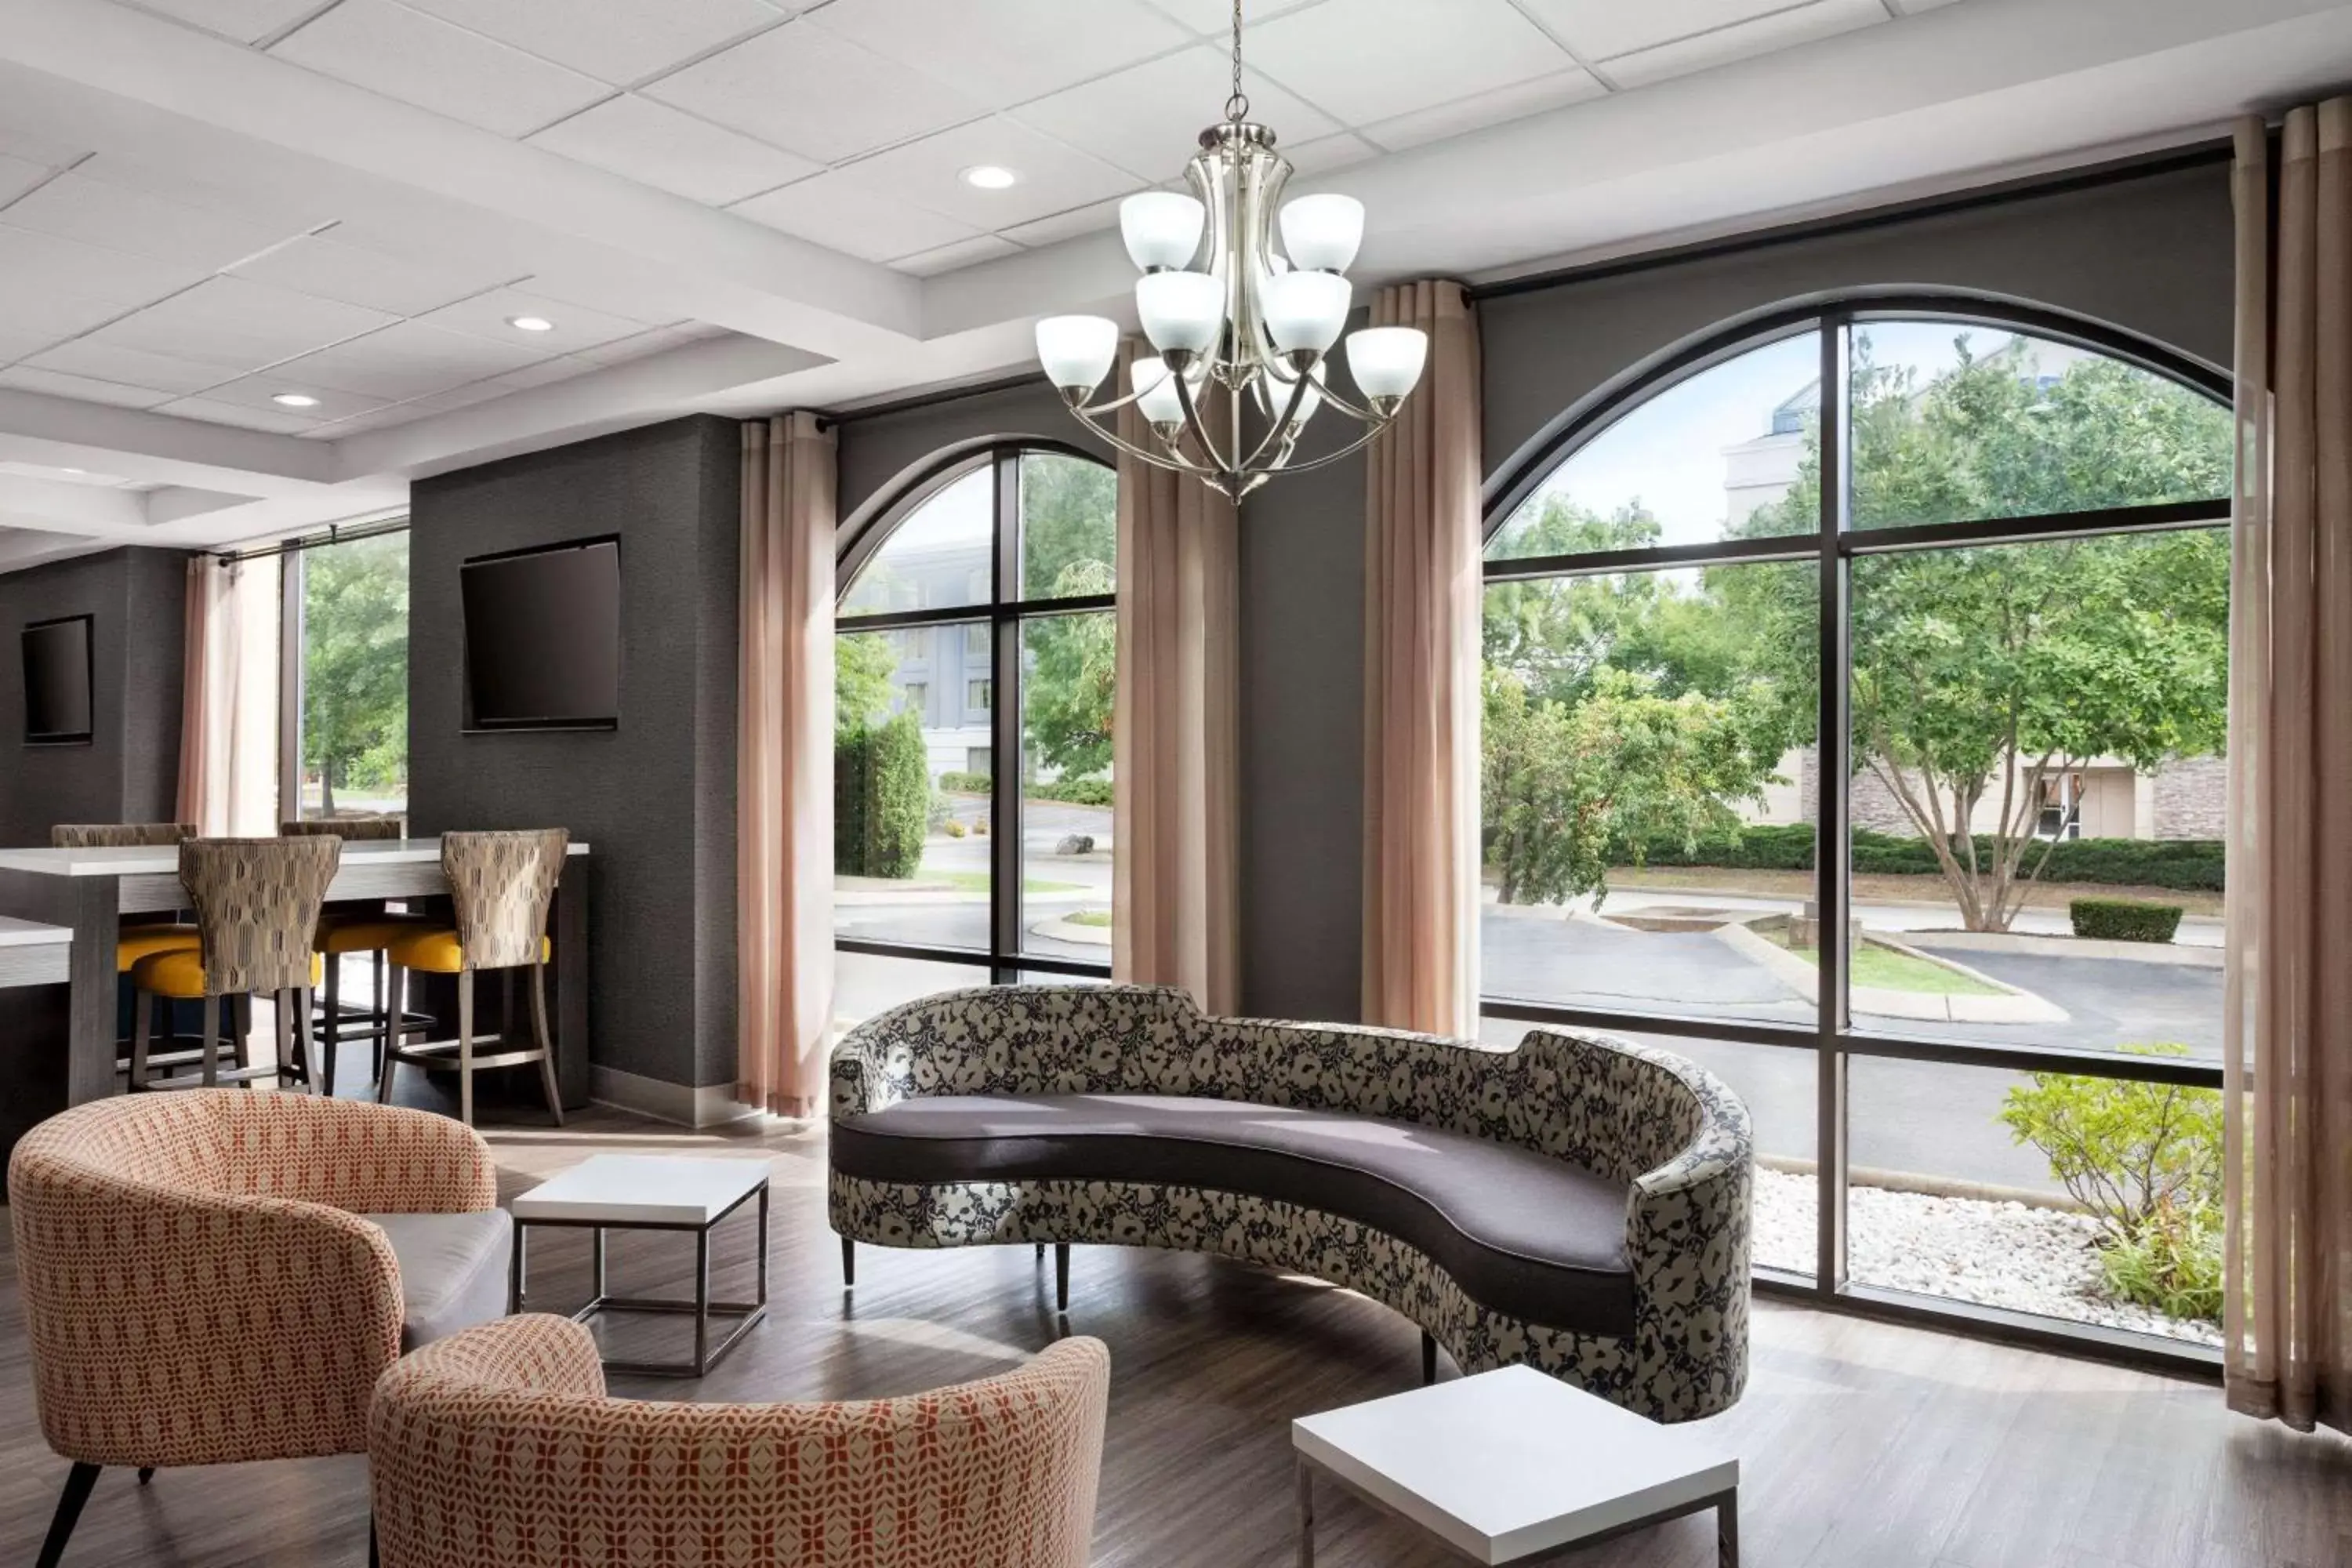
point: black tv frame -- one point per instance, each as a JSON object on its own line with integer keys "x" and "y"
{"x": 90, "y": 676}
{"x": 468, "y": 723}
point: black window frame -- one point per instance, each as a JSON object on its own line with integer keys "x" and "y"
{"x": 1833, "y": 547}
{"x": 1005, "y": 614}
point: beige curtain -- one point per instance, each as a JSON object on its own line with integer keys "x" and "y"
{"x": 2288, "y": 1065}
{"x": 228, "y": 697}
{"x": 1175, "y": 741}
{"x": 1422, "y": 603}
{"x": 784, "y": 807}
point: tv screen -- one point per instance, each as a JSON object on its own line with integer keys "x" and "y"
{"x": 543, "y": 638}
{"x": 56, "y": 681}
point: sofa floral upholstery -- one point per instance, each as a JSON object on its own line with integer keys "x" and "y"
{"x": 496, "y": 1448}
{"x": 1671, "y": 1133}
{"x": 198, "y": 1284}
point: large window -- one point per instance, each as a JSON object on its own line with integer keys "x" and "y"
{"x": 972, "y": 731}
{"x": 346, "y": 719}
{"x": 1854, "y": 699}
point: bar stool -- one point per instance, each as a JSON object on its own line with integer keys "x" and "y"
{"x": 501, "y": 884}
{"x": 256, "y": 902}
{"x": 145, "y": 937}
{"x": 341, "y": 933}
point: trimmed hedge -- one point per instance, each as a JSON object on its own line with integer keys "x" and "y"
{"x": 2124, "y": 920}
{"x": 955, "y": 782}
{"x": 881, "y": 799}
{"x": 2188, "y": 865}
{"x": 1071, "y": 792}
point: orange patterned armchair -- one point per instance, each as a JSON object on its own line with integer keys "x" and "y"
{"x": 200, "y": 1284}
{"x": 496, "y": 1448}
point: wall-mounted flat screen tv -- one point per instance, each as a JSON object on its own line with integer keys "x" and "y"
{"x": 543, "y": 638}
{"x": 57, "y": 682}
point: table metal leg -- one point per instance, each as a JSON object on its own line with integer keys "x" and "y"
{"x": 762, "y": 1297}
{"x": 514, "y": 1270}
{"x": 1306, "y": 1515}
{"x": 597, "y": 1264}
{"x": 1726, "y": 1531}
{"x": 702, "y": 1300}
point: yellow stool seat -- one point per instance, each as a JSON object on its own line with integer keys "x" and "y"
{"x": 369, "y": 933}
{"x": 436, "y": 951}
{"x": 136, "y": 942}
{"x": 179, "y": 973}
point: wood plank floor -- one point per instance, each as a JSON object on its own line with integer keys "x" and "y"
{"x": 1863, "y": 1444}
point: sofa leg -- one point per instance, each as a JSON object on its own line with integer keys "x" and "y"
{"x": 1428, "y": 1358}
{"x": 848, "y": 1263}
{"x": 78, "y": 1480}
{"x": 1061, "y": 1276}
{"x": 146, "y": 1474}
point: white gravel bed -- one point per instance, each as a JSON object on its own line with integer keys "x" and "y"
{"x": 1996, "y": 1254}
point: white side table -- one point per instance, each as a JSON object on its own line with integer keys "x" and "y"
{"x": 652, "y": 1191}
{"x": 1512, "y": 1464}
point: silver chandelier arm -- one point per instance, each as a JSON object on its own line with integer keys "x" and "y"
{"x": 1378, "y": 429}
{"x": 1275, "y": 430}
{"x": 1200, "y": 427}
{"x": 1158, "y": 459}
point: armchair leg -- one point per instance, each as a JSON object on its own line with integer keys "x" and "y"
{"x": 1428, "y": 1358}
{"x": 372, "y": 1559}
{"x": 146, "y": 1474}
{"x": 78, "y": 1480}
{"x": 848, "y": 1263}
{"x": 1061, "y": 1276}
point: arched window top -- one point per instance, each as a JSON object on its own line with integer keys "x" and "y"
{"x": 1053, "y": 512}
{"x": 1952, "y": 419}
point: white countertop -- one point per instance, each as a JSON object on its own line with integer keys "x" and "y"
{"x": 15, "y": 933}
{"x": 164, "y": 860}
{"x": 623, "y": 1190}
{"x": 1510, "y": 1463}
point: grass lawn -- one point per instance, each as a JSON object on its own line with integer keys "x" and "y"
{"x": 977, "y": 882}
{"x": 1884, "y": 889}
{"x": 1099, "y": 919}
{"x": 1884, "y": 969}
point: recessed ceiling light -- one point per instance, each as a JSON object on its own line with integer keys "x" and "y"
{"x": 989, "y": 177}
{"x": 530, "y": 324}
{"x": 295, "y": 399}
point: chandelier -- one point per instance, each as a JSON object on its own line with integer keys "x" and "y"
{"x": 1227, "y": 311}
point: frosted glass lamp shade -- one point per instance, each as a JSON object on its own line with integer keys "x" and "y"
{"x": 1156, "y": 385}
{"x": 1305, "y": 309}
{"x": 1386, "y": 360}
{"x": 1077, "y": 351}
{"x": 1321, "y": 232}
{"x": 1163, "y": 228}
{"x": 1181, "y": 312}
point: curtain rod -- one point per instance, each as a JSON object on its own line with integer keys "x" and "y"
{"x": 827, "y": 419}
{"x": 337, "y": 534}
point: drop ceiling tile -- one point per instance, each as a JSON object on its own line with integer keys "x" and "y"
{"x": 660, "y": 340}
{"x": 276, "y": 421}
{"x": 1331, "y": 152}
{"x": 927, "y": 173}
{"x": 420, "y": 60}
{"x": 1746, "y": 41}
{"x": 15, "y": 345}
{"x": 242, "y": 325}
{"x": 1088, "y": 219}
{"x": 1913, "y": 7}
{"x": 131, "y": 367}
{"x": 17, "y": 143}
{"x": 77, "y": 205}
{"x": 360, "y": 275}
{"x": 1215, "y": 17}
{"x": 576, "y": 326}
{"x": 410, "y": 360}
{"x": 1375, "y": 60}
{"x": 1147, "y": 119}
{"x": 35, "y": 265}
{"x": 548, "y": 372}
{"x": 247, "y": 21}
{"x": 1601, "y": 30}
{"x": 47, "y": 316}
{"x": 832, "y": 211}
{"x": 18, "y": 175}
{"x": 259, "y": 392}
{"x": 666, "y": 148}
{"x": 618, "y": 41}
{"x": 1512, "y": 102}
{"x": 807, "y": 92}
{"x": 57, "y": 384}
{"x": 1006, "y": 51}
{"x": 963, "y": 253}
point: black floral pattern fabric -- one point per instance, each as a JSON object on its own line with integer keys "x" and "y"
{"x": 1673, "y": 1133}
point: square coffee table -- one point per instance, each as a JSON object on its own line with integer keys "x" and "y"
{"x": 651, "y": 1192}
{"x": 1513, "y": 1465}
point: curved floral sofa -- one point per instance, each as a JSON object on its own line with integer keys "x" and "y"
{"x": 1577, "y": 1204}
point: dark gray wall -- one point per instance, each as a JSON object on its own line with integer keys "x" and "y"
{"x": 129, "y": 770}
{"x": 877, "y": 451}
{"x": 654, "y": 798}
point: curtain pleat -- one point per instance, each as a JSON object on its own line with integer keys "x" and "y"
{"x": 1175, "y": 736}
{"x": 2287, "y": 1066}
{"x": 228, "y": 698}
{"x": 1423, "y": 595}
{"x": 785, "y": 765}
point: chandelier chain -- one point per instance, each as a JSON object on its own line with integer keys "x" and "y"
{"x": 1237, "y": 106}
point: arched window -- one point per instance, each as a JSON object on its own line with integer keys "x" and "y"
{"x": 973, "y": 682}
{"x": 1828, "y": 668}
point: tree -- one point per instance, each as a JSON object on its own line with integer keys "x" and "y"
{"x": 1980, "y": 676}
{"x": 863, "y": 666}
{"x": 1069, "y": 544}
{"x": 1069, "y": 513}
{"x": 355, "y": 664}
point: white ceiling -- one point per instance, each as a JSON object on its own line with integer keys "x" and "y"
{"x": 738, "y": 205}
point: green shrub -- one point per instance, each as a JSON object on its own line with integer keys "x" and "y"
{"x": 2124, "y": 920}
{"x": 1070, "y": 792}
{"x": 881, "y": 799}
{"x": 2187, "y": 865}
{"x": 2175, "y": 1266}
{"x": 957, "y": 783}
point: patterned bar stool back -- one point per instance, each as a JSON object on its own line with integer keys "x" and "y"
{"x": 257, "y": 902}
{"x": 502, "y": 884}
{"x": 349, "y": 829}
{"x": 119, "y": 835}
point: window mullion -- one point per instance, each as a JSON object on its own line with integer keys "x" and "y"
{"x": 1005, "y": 723}
{"x": 1833, "y": 768}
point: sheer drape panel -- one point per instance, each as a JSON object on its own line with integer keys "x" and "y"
{"x": 2288, "y": 1052}
{"x": 229, "y": 699}
{"x": 785, "y": 765}
{"x": 1422, "y": 601}
{"x": 1175, "y": 739}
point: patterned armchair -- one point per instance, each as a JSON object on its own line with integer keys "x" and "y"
{"x": 496, "y": 1448}
{"x": 1666, "y": 1144}
{"x": 198, "y": 1282}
